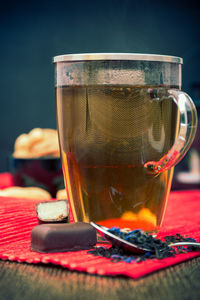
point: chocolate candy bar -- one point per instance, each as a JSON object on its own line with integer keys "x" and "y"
{"x": 53, "y": 211}
{"x": 61, "y": 237}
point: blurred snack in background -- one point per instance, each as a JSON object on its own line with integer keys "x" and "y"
{"x": 35, "y": 161}
{"x": 37, "y": 143}
{"x": 61, "y": 194}
{"x": 25, "y": 193}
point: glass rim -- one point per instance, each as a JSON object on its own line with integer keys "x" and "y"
{"x": 117, "y": 56}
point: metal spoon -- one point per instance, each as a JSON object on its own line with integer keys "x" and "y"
{"x": 127, "y": 246}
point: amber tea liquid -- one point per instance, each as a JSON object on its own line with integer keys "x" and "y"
{"x": 107, "y": 134}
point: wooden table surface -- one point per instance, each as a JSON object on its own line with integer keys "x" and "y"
{"x": 43, "y": 282}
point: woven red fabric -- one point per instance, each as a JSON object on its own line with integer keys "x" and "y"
{"x": 18, "y": 217}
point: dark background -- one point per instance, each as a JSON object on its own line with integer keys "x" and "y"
{"x": 32, "y": 32}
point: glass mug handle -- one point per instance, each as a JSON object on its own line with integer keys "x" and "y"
{"x": 186, "y": 134}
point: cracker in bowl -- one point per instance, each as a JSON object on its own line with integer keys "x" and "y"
{"x": 37, "y": 143}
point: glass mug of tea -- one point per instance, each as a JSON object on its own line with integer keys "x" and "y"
{"x": 123, "y": 124}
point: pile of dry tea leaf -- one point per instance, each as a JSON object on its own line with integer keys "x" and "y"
{"x": 157, "y": 248}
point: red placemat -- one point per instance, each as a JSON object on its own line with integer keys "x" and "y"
{"x": 6, "y": 180}
{"x": 18, "y": 217}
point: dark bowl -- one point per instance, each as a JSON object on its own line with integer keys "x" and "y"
{"x": 45, "y": 172}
